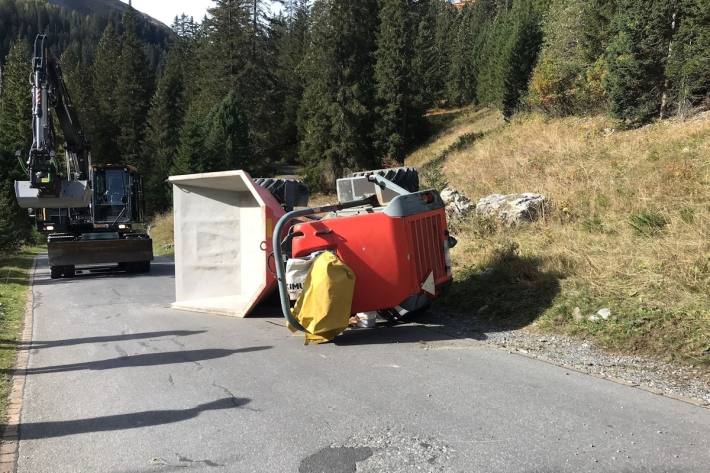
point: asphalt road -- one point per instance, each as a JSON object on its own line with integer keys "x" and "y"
{"x": 118, "y": 382}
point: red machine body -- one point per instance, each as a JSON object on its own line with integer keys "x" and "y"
{"x": 396, "y": 253}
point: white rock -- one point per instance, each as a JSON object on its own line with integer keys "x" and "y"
{"x": 512, "y": 209}
{"x": 577, "y": 314}
{"x": 456, "y": 203}
{"x": 604, "y": 313}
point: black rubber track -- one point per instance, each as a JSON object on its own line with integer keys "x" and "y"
{"x": 277, "y": 187}
{"x": 405, "y": 177}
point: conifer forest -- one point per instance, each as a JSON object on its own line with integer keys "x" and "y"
{"x": 334, "y": 86}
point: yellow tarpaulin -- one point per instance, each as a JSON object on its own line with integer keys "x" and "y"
{"x": 323, "y": 308}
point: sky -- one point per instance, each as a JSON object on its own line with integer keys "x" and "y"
{"x": 166, "y": 10}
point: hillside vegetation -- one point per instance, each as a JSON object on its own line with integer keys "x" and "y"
{"x": 14, "y": 286}
{"x": 627, "y": 227}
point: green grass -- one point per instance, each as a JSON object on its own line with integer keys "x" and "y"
{"x": 14, "y": 285}
{"x": 672, "y": 333}
{"x": 648, "y": 223}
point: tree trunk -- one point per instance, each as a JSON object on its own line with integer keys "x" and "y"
{"x": 664, "y": 95}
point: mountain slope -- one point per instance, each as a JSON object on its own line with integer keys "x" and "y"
{"x": 75, "y": 23}
{"x": 101, "y": 8}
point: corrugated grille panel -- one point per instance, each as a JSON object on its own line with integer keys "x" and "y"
{"x": 428, "y": 246}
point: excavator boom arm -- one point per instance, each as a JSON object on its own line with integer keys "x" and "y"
{"x": 48, "y": 187}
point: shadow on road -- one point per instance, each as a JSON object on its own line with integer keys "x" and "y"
{"x": 158, "y": 268}
{"x": 134, "y": 420}
{"x": 18, "y": 345}
{"x": 511, "y": 293}
{"x": 144, "y": 359}
{"x": 386, "y": 334}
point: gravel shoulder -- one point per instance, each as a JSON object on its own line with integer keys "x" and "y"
{"x": 674, "y": 380}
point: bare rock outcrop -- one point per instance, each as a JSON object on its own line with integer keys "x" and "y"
{"x": 457, "y": 204}
{"x": 512, "y": 209}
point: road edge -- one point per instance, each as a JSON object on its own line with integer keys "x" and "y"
{"x": 10, "y": 439}
{"x": 641, "y": 387}
{"x": 542, "y": 358}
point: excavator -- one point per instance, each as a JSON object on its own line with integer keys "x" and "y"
{"x": 91, "y": 214}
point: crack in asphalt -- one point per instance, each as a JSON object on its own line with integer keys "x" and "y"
{"x": 120, "y": 351}
{"x": 235, "y": 399}
{"x": 190, "y": 460}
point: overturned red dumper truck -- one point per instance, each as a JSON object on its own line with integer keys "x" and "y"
{"x": 235, "y": 236}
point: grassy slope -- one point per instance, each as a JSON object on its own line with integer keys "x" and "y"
{"x": 14, "y": 272}
{"x": 603, "y": 242}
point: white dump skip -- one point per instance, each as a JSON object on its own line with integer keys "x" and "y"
{"x": 72, "y": 194}
{"x": 223, "y": 228}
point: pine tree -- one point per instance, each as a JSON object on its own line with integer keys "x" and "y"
{"x": 237, "y": 54}
{"x": 105, "y": 76}
{"x": 596, "y": 27}
{"x": 688, "y": 69}
{"x": 335, "y": 116}
{"x": 14, "y": 226}
{"x": 227, "y": 138}
{"x": 185, "y": 27}
{"x": 425, "y": 59}
{"x": 492, "y": 62}
{"x": 398, "y": 113}
{"x": 133, "y": 93}
{"x": 566, "y": 77}
{"x": 292, "y": 43}
{"x": 465, "y": 51}
{"x": 525, "y": 38}
{"x": 446, "y": 17}
{"x": 165, "y": 120}
{"x": 15, "y": 100}
{"x": 192, "y": 144}
{"x": 511, "y": 44}
{"x": 15, "y": 135}
{"x": 636, "y": 58}
{"x": 81, "y": 89}
{"x": 459, "y": 57}
{"x": 218, "y": 143}
{"x": 224, "y": 46}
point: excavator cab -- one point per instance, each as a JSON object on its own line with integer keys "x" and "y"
{"x": 117, "y": 197}
{"x": 116, "y": 205}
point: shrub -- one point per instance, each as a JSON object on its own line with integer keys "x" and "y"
{"x": 648, "y": 223}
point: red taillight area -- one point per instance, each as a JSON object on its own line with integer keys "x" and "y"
{"x": 427, "y": 197}
{"x": 390, "y": 256}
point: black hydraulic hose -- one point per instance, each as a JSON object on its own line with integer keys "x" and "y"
{"x": 278, "y": 251}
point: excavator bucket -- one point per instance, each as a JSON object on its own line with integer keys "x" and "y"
{"x": 223, "y": 242}
{"x": 73, "y": 194}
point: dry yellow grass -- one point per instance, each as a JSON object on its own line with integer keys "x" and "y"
{"x": 597, "y": 180}
{"x": 161, "y": 231}
{"x": 456, "y": 124}
{"x": 316, "y": 200}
